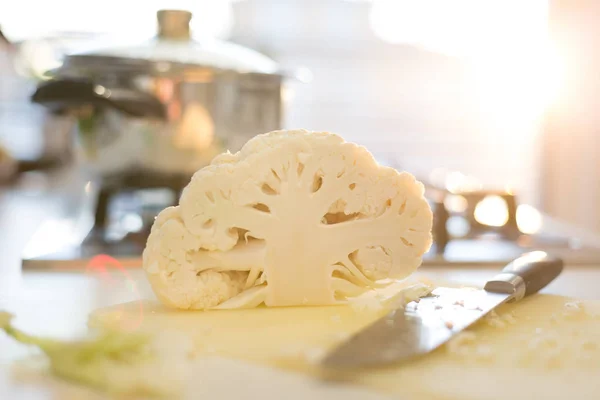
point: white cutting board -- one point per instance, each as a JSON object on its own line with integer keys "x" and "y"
{"x": 544, "y": 350}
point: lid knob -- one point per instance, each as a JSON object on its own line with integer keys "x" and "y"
{"x": 174, "y": 24}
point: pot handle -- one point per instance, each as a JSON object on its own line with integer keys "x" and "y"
{"x": 61, "y": 94}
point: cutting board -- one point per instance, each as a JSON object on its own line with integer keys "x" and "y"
{"x": 545, "y": 347}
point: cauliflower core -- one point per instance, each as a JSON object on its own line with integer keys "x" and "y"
{"x": 293, "y": 218}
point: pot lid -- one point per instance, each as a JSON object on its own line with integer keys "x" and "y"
{"x": 172, "y": 49}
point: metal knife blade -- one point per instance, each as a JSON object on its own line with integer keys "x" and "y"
{"x": 418, "y": 329}
{"x": 424, "y": 325}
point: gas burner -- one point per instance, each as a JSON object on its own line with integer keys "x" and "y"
{"x": 120, "y": 212}
{"x": 128, "y": 203}
{"x": 472, "y": 215}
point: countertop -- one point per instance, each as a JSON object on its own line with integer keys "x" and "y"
{"x": 58, "y": 304}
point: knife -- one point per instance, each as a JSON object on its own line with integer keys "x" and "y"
{"x": 425, "y": 324}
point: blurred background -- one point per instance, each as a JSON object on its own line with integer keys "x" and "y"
{"x": 106, "y": 110}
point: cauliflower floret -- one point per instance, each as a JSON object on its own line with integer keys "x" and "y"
{"x": 293, "y": 218}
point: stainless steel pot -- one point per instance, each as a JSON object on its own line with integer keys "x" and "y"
{"x": 167, "y": 105}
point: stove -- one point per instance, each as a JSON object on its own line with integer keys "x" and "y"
{"x": 470, "y": 227}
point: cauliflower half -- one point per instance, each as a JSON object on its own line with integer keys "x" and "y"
{"x": 293, "y": 218}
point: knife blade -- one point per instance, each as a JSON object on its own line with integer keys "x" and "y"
{"x": 422, "y": 326}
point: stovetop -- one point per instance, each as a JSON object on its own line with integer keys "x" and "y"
{"x": 461, "y": 251}
{"x": 120, "y": 223}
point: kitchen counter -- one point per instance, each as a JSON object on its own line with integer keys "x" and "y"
{"x": 58, "y": 304}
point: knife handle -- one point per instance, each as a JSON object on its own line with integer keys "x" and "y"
{"x": 526, "y": 275}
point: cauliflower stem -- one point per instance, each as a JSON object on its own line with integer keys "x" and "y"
{"x": 93, "y": 362}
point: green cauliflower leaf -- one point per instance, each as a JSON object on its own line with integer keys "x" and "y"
{"x": 113, "y": 361}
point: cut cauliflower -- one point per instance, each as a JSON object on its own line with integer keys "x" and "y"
{"x": 293, "y": 218}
